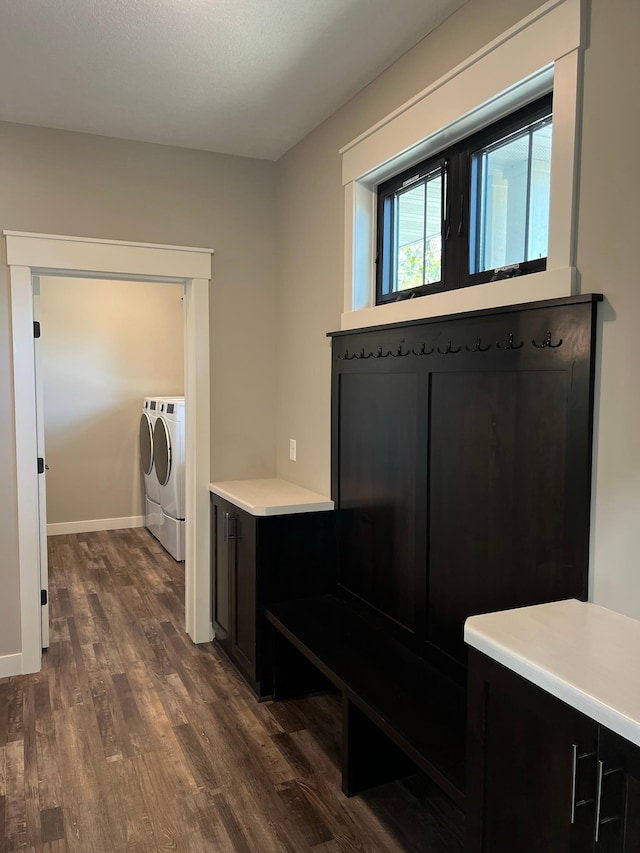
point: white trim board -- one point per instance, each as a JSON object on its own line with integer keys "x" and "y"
{"x": 542, "y": 52}
{"x": 10, "y": 665}
{"x": 28, "y": 255}
{"x": 92, "y": 525}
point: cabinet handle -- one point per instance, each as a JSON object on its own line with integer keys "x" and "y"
{"x": 599, "y": 798}
{"x": 232, "y": 527}
{"x": 574, "y": 773}
{"x": 575, "y": 758}
{"x": 601, "y": 821}
{"x": 229, "y": 532}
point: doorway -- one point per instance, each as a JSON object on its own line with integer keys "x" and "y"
{"x": 30, "y": 255}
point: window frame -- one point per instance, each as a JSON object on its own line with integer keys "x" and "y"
{"x": 543, "y": 52}
{"x": 455, "y": 162}
{"x": 386, "y": 218}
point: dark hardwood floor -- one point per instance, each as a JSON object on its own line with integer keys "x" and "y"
{"x": 133, "y": 739}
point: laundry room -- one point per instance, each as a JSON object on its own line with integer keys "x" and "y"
{"x": 104, "y": 347}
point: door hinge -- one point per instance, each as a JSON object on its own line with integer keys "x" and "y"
{"x": 43, "y": 597}
{"x": 40, "y": 465}
{"x": 36, "y": 328}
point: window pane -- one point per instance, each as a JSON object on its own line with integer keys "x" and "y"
{"x": 418, "y": 218}
{"x": 513, "y": 199}
{"x": 540, "y": 187}
{"x": 410, "y": 241}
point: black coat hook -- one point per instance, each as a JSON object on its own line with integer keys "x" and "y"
{"x": 449, "y": 350}
{"x": 398, "y": 352}
{"x": 347, "y": 356}
{"x": 510, "y": 344}
{"x": 423, "y": 350}
{"x": 547, "y": 342}
{"x": 478, "y": 346}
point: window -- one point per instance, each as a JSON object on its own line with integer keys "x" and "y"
{"x": 476, "y": 212}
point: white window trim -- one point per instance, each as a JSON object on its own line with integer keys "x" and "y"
{"x": 540, "y": 53}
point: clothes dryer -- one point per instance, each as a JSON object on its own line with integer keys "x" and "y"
{"x": 169, "y": 462}
{"x": 152, "y": 511}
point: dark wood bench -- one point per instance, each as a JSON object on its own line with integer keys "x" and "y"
{"x": 399, "y": 712}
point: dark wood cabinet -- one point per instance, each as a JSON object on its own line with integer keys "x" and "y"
{"x": 541, "y": 776}
{"x": 257, "y": 560}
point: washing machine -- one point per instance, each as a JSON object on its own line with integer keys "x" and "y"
{"x": 169, "y": 463}
{"x": 152, "y": 510}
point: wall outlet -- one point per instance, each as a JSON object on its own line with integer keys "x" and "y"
{"x": 292, "y": 449}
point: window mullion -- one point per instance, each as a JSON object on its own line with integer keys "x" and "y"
{"x": 455, "y": 191}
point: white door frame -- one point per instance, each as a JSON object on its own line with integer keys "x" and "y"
{"x": 47, "y": 254}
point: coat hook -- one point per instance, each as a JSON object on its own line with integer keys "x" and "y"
{"x": 423, "y": 350}
{"x": 478, "y": 347}
{"x": 449, "y": 350}
{"x": 510, "y": 344}
{"x": 398, "y": 352}
{"x": 547, "y": 342}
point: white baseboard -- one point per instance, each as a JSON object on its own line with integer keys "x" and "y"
{"x": 92, "y": 525}
{"x": 10, "y": 665}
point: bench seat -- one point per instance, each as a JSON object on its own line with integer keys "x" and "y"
{"x": 396, "y": 704}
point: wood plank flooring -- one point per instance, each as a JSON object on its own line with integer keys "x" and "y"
{"x": 133, "y": 739}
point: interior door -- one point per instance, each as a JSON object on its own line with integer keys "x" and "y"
{"x": 42, "y": 484}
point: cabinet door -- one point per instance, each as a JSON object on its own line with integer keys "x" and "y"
{"x": 531, "y": 767}
{"x": 617, "y": 828}
{"x": 242, "y": 539}
{"x": 221, "y": 566}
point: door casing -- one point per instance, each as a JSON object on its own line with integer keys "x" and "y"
{"x": 30, "y": 255}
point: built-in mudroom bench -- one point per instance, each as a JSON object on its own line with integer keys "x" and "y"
{"x": 271, "y": 540}
{"x": 461, "y": 475}
{"x": 553, "y": 731}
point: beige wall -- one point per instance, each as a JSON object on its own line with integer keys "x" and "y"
{"x": 312, "y": 204}
{"x": 105, "y": 345}
{"x": 70, "y": 183}
{"x": 312, "y": 251}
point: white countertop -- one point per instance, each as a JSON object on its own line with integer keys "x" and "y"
{"x": 582, "y": 653}
{"x": 270, "y": 497}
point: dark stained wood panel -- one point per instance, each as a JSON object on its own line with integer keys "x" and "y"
{"x": 377, "y": 491}
{"x": 497, "y": 496}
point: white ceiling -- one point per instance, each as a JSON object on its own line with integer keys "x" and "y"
{"x": 248, "y": 77}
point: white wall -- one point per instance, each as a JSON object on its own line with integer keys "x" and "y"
{"x": 105, "y": 345}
